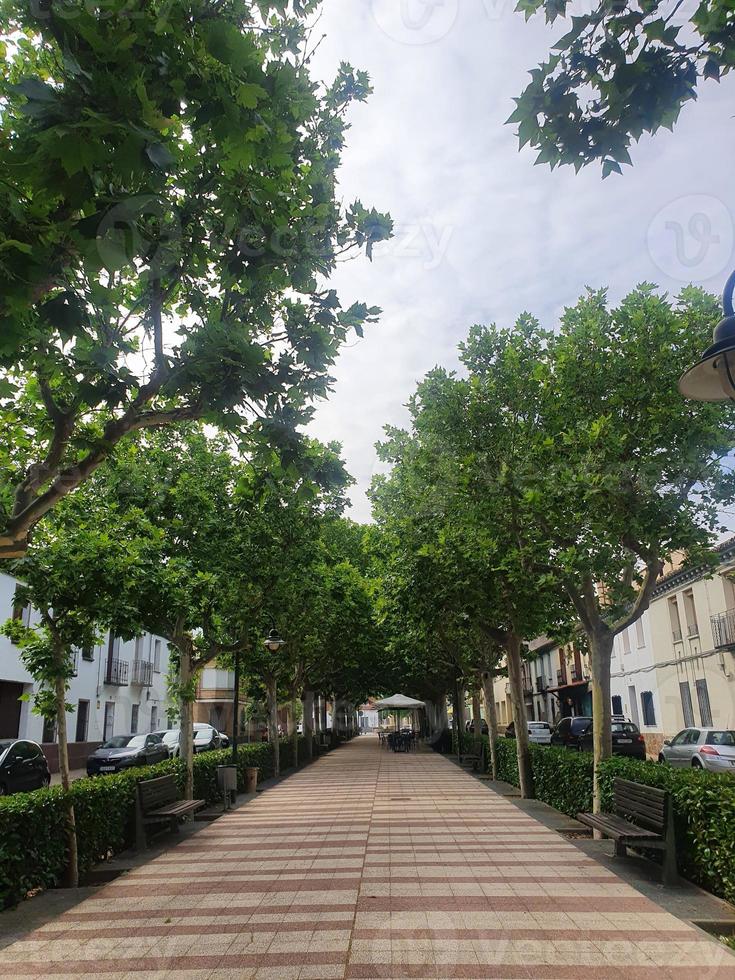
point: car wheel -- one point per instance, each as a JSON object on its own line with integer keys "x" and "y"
{"x": 3, "y": 789}
{"x": 696, "y": 764}
{"x": 45, "y": 782}
{"x": 662, "y": 759}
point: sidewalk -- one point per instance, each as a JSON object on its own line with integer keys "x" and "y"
{"x": 369, "y": 864}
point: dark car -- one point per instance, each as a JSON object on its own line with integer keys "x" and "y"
{"x": 626, "y": 740}
{"x": 569, "y": 733}
{"x": 124, "y": 751}
{"x": 23, "y": 767}
{"x": 470, "y": 727}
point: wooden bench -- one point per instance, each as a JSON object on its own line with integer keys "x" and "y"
{"x": 643, "y": 818}
{"x": 158, "y": 802}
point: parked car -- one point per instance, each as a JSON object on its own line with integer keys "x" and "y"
{"x": 224, "y": 740}
{"x": 124, "y": 751}
{"x": 626, "y": 740}
{"x": 170, "y": 739}
{"x": 569, "y": 732}
{"x": 701, "y": 748}
{"x": 206, "y": 737}
{"x": 470, "y": 727}
{"x": 23, "y": 767}
{"x": 539, "y": 732}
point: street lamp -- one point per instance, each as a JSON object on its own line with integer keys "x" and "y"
{"x": 273, "y": 641}
{"x": 712, "y": 379}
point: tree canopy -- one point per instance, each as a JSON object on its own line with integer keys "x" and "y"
{"x": 621, "y": 70}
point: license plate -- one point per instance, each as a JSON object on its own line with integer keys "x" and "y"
{"x": 624, "y": 741}
{"x": 107, "y": 768}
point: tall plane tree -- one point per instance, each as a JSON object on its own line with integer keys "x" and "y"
{"x": 169, "y": 220}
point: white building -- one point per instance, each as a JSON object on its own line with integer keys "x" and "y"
{"x": 118, "y": 688}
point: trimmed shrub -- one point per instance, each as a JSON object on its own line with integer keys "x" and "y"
{"x": 32, "y": 825}
{"x": 703, "y": 802}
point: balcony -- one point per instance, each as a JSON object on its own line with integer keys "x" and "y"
{"x": 692, "y": 630}
{"x": 74, "y": 663}
{"x": 676, "y": 635}
{"x": 142, "y": 673}
{"x": 540, "y": 685}
{"x": 117, "y": 673}
{"x": 561, "y": 677}
{"x": 723, "y": 629}
{"x": 577, "y": 674}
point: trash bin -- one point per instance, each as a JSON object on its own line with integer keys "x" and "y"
{"x": 227, "y": 783}
{"x": 251, "y": 778}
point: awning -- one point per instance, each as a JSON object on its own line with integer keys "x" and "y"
{"x": 399, "y": 702}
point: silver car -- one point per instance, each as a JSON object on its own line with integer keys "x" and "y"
{"x": 539, "y": 732}
{"x": 701, "y": 748}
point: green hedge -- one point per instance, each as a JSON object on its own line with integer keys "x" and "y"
{"x": 704, "y": 803}
{"x": 32, "y": 836}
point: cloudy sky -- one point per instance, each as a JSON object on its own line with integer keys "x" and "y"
{"x": 482, "y": 234}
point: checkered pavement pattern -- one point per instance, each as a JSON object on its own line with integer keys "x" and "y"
{"x": 370, "y": 864}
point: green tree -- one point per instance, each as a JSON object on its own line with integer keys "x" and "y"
{"x": 81, "y": 576}
{"x": 170, "y": 217}
{"x": 622, "y": 70}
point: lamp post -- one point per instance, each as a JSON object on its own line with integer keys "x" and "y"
{"x": 712, "y": 379}
{"x": 273, "y": 643}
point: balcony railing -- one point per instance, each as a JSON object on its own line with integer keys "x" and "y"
{"x": 723, "y": 629}
{"x": 676, "y": 635}
{"x": 693, "y": 629}
{"x": 561, "y": 677}
{"x": 540, "y": 684}
{"x": 142, "y": 673}
{"x": 117, "y": 672}
{"x": 576, "y": 674}
{"x": 75, "y": 662}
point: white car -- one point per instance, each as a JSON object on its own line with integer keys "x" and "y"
{"x": 171, "y": 739}
{"x": 701, "y": 748}
{"x": 539, "y": 732}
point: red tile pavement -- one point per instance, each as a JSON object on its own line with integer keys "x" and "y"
{"x": 370, "y": 865}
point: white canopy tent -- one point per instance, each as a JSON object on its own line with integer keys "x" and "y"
{"x": 399, "y": 704}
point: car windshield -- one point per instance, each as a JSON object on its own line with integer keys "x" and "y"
{"x": 624, "y": 728}
{"x": 171, "y": 736}
{"x": 540, "y": 725}
{"x": 4, "y": 746}
{"x": 726, "y": 738}
{"x": 136, "y": 742}
{"x": 117, "y": 742}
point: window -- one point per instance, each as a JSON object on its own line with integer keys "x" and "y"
{"x": 49, "y": 730}
{"x": 640, "y": 636}
{"x": 157, "y": 656}
{"x": 88, "y": 653}
{"x": 705, "y": 711}
{"x": 139, "y": 643}
{"x": 649, "y": 713}
{"x": 674, "y": 619}
{"x": 82, "y": 721}
{"x": 729, "y": 587}
{"x": 134, "y": 712}
{"x": 633, "y": 701}
{"x": 721, "y": 738}
{"x": 691, "y": 613}
{"x": 154, "y": 718}
{"x": 617, "y": 704}
{"x": 109, "y": 720}
{"x": 626, "y": 641}
{"x": 686, "y": 703}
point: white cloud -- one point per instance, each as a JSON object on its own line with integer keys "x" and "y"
{"x": 482, "y": 233}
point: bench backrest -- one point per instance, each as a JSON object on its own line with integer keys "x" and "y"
{"x": 155, "y": 793}
{"x": 645, "y": 805}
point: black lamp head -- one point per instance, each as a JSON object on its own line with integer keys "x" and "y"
{"x": 712, "y": 379}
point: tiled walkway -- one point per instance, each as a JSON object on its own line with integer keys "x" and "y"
{"x": 370, "y": 864}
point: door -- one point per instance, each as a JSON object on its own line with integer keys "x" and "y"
{"x": 10, "y": 706}
{"x": 678, "y": 754}
{"x": 24, "y": 777}
{"x": 109, "y": 720}
{"x": 82, "y": 721}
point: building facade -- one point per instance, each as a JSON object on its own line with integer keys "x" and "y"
{"x": 118, "y": 687}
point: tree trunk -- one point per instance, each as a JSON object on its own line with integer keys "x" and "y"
{"x": 317, "y": 714}
{"x": 601, "y": 645}
{"x": 335, "y": 721}
{"x": 272, "y": 689}
{"x": 236, "y": 709}
{"x": 292, "y": 716}
{"x": 71, "y": 872}
{"x": 459, "y": 715}
{"x": 308, "y": 710}
{"x": 515, "y": 676}
{"x": 186, "y": 704}
{"x": 477, "y": 719}
{"x": 492, "y": 720}
{"x": 324, "y": 712}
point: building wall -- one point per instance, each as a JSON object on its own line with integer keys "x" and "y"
{"x": 634, "y": 681}
{"x": 88, "y": 687}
